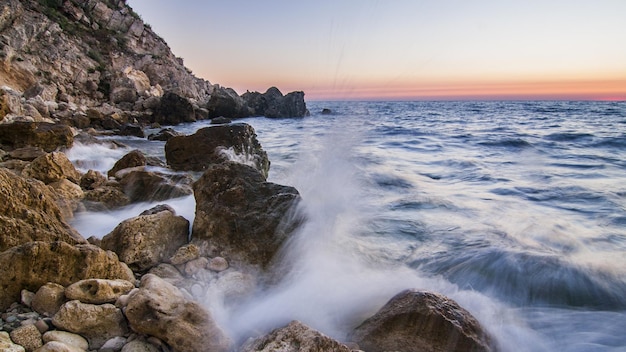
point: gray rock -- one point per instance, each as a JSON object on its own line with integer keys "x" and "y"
{"x": 67, "y": 338}
{"x": 295, "y": 337}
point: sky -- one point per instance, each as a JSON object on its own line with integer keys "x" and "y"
{"x": 401, "y": 49}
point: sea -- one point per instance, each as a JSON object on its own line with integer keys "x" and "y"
{"x": 514, "y": 209}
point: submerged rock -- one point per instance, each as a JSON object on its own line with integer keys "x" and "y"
{"x": 416, "y": 321}
{"x": 295, "y": 337}
{"x": 159, "y": 309}
{"x": 241, "y": 216}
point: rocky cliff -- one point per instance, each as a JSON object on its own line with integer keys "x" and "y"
{"x": 91, "y": 63}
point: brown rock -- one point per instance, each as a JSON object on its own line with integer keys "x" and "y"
{"x": 132, "y": 159}
{"x": 143, "y": 186}
{"x": 92, "y": 179}
{"x": 159, "y": 309}
{"x": 98, "y": 291}
{"x": 6, "y": 345}
{"x": 69, "y": 196}
{"x": 47, "y": 136}
{"x": 106, "y": 198}
{"x": 241, "y": 215}
{"x": 146, "y": 240}
{"x": 27, "y": 336}
{"x": 415, "y": 321}
{"x": 52, "y": 167}
{"x": 67, "y": 338}
{"x": 185, "y": 253}
{"x": 48, "y": 299}
{"x": 27, "y": 153}
{"x": 34, "y": 264}
{"x": 295, "y": 337}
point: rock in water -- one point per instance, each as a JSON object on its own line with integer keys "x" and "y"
{"x": 47, "y": 136}
{"x": 240, "y": 214}
{"x": 227, "y": 103}
{"x": 210, "y": 145}
{"x": 173, "y": 109}
{"x": 273, "y": 103}
{"x": 295, "y": 337}
{"x": 416, "y": 321}
{"x": 159, "y": 309}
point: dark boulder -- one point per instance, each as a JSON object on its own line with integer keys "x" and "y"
{"x": 216, "y": 144}
{"x": 326, "y": 111}
{"x": 415, "y": 321}
{"x": 133, "y": 159}
{"x": 131, "y": 129}
{"x": 173, "y": 109}
{"x": 220, "y": 121}
{"x": 164, "y": 135}
{"x": 273, "y": 103}
{"x": 47, "y": 136}
{"x": 227, "y": 103}
{"x": 144, "y": 186}
{"x": 240, "y": 215}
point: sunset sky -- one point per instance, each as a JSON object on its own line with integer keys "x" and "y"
{"x": 401, "y": 49}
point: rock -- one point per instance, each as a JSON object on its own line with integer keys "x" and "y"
{"x": 326, "y": 111}
{"x": 27, "y": 336}
{"x": 240, "y": 215}
{"x": 92, "y": 179}
{"x": 235, "y": 285}
{"x": 48, "y": 299}
{"x": 295, "y": 337}
{"x": 28, "y": 212}
{"x": 139, "y": 346}
{"x": 173, "y": 109}
{"x": 103, "y": 198}
{"x": 26, "y": 153}
{"x": 210, "y": 145}
{"x": 164, "y": 135}
{"x": 26, "y": 297}
{"x": 6, "y": 345}
{"x": 168, "y": 273}
{"x": 272, "y": 103}
{"x": 98, "y": 291}
{"x": 31, "y": 265}
{"x": 133, "y": 159}
{"x": 114, "y": 344}
{"x": 421, "y": 321}
{"x": 220, "y": 121}
{"x": 218, "y": 264}
{"x": 47, "y": 136}
{"x": 130, "y": 129}
{"x": 52, "y": 167}
{"x": 159, "y": 309}
{"x": 143, "y": 186}
{"x": 57, "y": 346}
{"x": 194, "y": 266}
{"x": 69, "y": 196}
{"x": 97, "y": 323}
{"x": 146, "y": 240}
{"x": 67, "y": 338}
{"x": 225, "y": 102}
{"x": 185, "y": 253}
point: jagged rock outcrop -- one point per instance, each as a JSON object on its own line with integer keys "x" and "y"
{"x": 173, "y": 109}
{"x": 216, "y": 144}
{"x": 295, "y": 337}
{"x": 144, "y": 186}
{"x": 240, "y": 214}
{"x": 416, "y": 321}
{"x": 47, "y": 136}
{"x": 273, "y": 103}
{"x": 225, "y": 102}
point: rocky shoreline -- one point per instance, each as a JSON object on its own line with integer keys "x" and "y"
{"x": 74, "y": 70}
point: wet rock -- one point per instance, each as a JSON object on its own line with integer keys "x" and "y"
{"x": 195, "y": 266}
{"x": 146, "y": 240}
{"x": 47, "y": 136}
{"x": 273, "y": 103}
{"x": 164, "y": 135}
{"x": 34, "y": 264}
{"x": 48, "y": 299}
{"x": 105, "y": 197}
{"x": 133, "y": 159}
{"x": 218, "y": 264}
{"x": 210, "y": 146}
{"x": 92, "y": 179}
{"x": 143, "y": 186}
{"x": 168, "y": 273}
{"x": 227, "y": 103}
{"x": 97, "y": 323}
{"x": 173, "y": 109}
{"x": 52, "y": 167}
{"x": 421, "y": 321}
{"x": 185, "y": 254}
{"x": 98, "y": 291}
{"x": 133, "y": 130}
{"x": 235, "y": 285}
{"x": 326, "y": 111}
{"x": 7, "y": 345}
{"x": 27, "y": 336}
{"x": 28, "y": 212}
{"x": 67, "y": 338}
{"x": 221, "y": 121}
{"x": 295, "y": 337}
{"x": 159, "y": 309}
{"x": 240, "y": 215}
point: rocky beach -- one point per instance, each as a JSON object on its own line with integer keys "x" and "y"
{"x": 79, "y": 71}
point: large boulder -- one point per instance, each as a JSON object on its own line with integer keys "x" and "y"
{"x": 52, "y": 167}
{"x": 133, "y": 158}
{"x": 415, "y": 321}
{"x": 28, "y": 212}
{"x": 34, "y": 264}
{"x": 295, "y": 337}
{"x": 160, "y": 309}
{"x": 47, "y": 136}
{"x": 227, "y": 103}
{"x": 146, "y": 240}
{"x": 173, "y": 109}
{"x": 240, "y": 214}
{"x": 144, "y": 186}
{"x": 273, "y": 103}
{"x": 216, "y": 144}
{"x": 98, "y": 291}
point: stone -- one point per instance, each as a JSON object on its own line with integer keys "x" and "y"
{"x": 29, "y": 212}
{"x": 47, "y": 136}
{"x": 114, "y": 344}
{"x": 27, "y": 297}
{"x": 51, "y": 168}
{"x": 32, "y": 265}
{"x": 240, "y": 215}
{"x": 147, "y": 240}
{"x": 106, "y": 197}
{"x": 421, "y": 321}
{"x": 161, "y": 310}
{"x": 92, "y": 179}
{"x": 295, "y": 337}
{"x": 273, "y": 104}
{"x": 185, "y": 253}
{"x": 144, "y": 186}
{"x": 235, "y": 285}
{"x": 133, "y": 159}
{"x": 210, "y": 145}
{"x": 69, "y": 196}
{"x": 57, "y": 346}
{"x": 139, "y": 346}
{"x": 48, "y": 299}
{"x": 221, "y": 121}
{"x": 131, "y": 129}
{"x": 98, "y": 291}
{"x": 327, "y": 111}
{"x": 164, "y": 135}
{"x": 27, "y": 336}
{"x": 194, "y": 266}
{"x": 68, "y": 338}
{"x": 6, "y": 345}
{"x": 225, "y": 102}
{"x": 97, "y": 323}
{"x": 173, "y": 109}
{"x": 168, "y": 273}
{"x": 218, "y": 264}
{"x": 26, "y": 153}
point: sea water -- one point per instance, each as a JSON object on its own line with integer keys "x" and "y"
{"x": 516, "y": 210}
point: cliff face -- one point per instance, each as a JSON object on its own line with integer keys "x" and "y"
{"x": 86, "y": 52}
